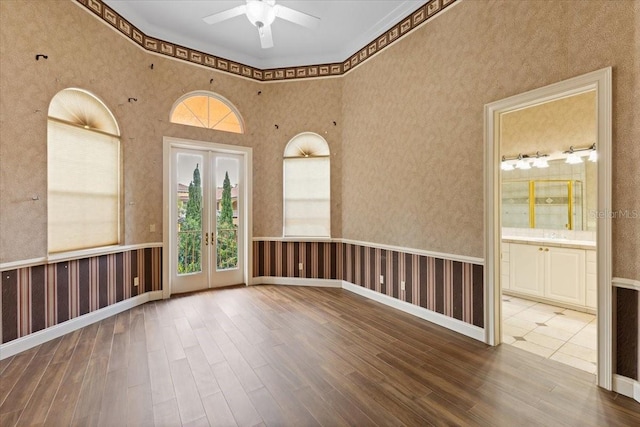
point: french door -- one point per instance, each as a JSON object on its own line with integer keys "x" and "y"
{"x": 207, "y": 230}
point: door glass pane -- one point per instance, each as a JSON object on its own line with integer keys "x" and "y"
{"x": 227, "y": 192}
{"x": 189, "y": 226}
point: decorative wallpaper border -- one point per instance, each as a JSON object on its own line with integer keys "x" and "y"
{"x": 404, "y": 27}
{"x": 452, "y": 288}
{"x": 38, "y": 297}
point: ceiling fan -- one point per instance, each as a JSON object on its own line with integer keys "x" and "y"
{"x": 262, "y": 13}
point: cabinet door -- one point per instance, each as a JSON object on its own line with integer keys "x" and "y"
{"x": 566, "y": 275}
{"x": 526, "y": 269}
{"x": 592, "y": 279}
{"x": 504, "y": 268}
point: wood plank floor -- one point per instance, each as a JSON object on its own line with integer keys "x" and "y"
{"x": 291, "y": 356}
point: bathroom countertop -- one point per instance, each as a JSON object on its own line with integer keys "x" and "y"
{"x": 560, "y": 243}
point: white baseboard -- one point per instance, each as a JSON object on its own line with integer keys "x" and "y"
{"x": 297, "y": 281}
{"x": 431, "y": 316}
{"x": 32, "y": 340}
{"x": 627, "y": 387}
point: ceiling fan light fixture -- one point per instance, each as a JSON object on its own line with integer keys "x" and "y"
{"x": 260, "y": 13}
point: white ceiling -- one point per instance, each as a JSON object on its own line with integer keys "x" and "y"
{"x": 345, "y": 27}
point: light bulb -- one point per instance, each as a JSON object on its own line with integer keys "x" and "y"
{"x": 506, "y": 166}
{"x": 573, "y": 159}
{"x": 540, "y": 162}
{"x": 593, "y": 156}
{"x": 522, "y": 164}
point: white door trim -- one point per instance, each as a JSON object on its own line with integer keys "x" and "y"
{"x": 600, "y": 81}
{"x": 247, "y": 154}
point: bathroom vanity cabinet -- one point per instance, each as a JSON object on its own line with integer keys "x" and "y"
{"x": 559, "y": 273}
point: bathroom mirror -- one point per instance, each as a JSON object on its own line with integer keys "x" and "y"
{"x": 559, "y": 197}
{"x": 562, "y": 195}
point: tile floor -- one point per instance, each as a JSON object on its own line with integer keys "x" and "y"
{"x": 560, "y": 334}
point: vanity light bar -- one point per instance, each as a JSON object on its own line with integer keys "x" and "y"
{"x": 537, "y": 160}
{"x": 524, "y": 161}
{"x": 573, "y": 158}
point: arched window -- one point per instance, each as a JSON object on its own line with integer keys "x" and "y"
{"x": 207, "y": 110}
{"x": 83, "y": 172}
{"x": 307, "y": 199}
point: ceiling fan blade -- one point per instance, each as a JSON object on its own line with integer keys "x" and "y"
{"x": 296, "y": 17}
{"x": 224, "y": 15}
{"x": 266, "y": 39}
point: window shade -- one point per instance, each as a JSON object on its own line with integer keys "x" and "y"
{"x": 307, "y": 210}
{"x": 83, "y": 188}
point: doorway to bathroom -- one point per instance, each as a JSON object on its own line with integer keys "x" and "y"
{"x": 548, "y": 249}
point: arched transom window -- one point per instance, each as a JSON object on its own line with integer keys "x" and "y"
{"x": 207, "y": 110}
{"x": 307, "y": 189}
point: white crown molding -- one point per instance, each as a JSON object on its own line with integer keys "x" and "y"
{"x": 442, "y": 255}
{"x": 22, "y": 263}
{"x": 297, "y": 239}
{"x": 406, "y": 16}
{"x": 620, "y": 282}
{"x": 433, "y": 254}
{"x": 74, "y": 255}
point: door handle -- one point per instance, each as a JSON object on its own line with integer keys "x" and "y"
{"x": 206, "y": 239}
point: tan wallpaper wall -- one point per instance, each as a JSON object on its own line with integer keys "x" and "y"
{"x": 550, "y": 128}
{"x": 84, "y": 52}
{"x": 295, "y": 107}
{"x": 413, "y": 117}
{"x": 407, "y": 150}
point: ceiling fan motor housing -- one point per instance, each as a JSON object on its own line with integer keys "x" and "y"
{"x": 260, "y": 13}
